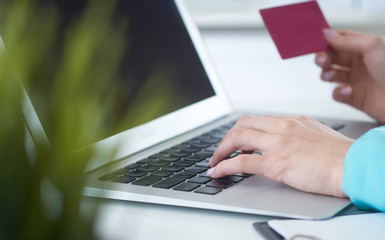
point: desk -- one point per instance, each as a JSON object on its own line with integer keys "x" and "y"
{"x": 256, "y": 78}
{"x": 129, "y": 220}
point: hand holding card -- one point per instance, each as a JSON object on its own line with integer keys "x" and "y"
{"x": 296, "y": 29}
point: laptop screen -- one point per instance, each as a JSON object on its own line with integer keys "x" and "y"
{"x": 160, "y": 71}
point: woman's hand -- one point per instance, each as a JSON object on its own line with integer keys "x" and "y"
{"x": 363, "y": 87}
{"x": 298, "y": 151}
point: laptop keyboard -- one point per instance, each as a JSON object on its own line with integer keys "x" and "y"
{"x": 182, "y": 167}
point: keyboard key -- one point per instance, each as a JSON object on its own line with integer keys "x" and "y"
{"x": 147, "y": 168}
{"x": 207, "y": 138}
{"x": 186, "y": 187}
{"x": 132, "y": 166}
{"x": 210, "y": 140}
{"x": 214, "y": 131}
{"x": 208, "y": 190}
{"x": 162, "y": 173}
{"x": 173, "y": 168}
{"x": 225, "y": 128}
{"x": 204, "y": 174}
{"x": 158, "y": 163}
{"x": 219, "y": 184}
{"x": 210, "y": 149}
{"x": 136, "y": 173}
{"x": 204, "y": 164}
{"x": 169, "y": 158}
{"x": 244, "y": 175}
{"x": 233, "y": 179}
{"x": 218, "y": 135}
{"x": 190, "y": 149}
{"x": 168, "y": 182}
{"x": 204, "y": 154}
{"x": 194, "y": 158}
{"x": 200, "y": 180}
{"x": 184, "y": 163}
{"x": 195, "y": 169}
{"x": 185, "y": 175}
{"x": 179, "y": 153}
{"x": 123, "y": 179}
{"x": 144, "y": 161}
{"x": 200, "y": 144}
{"x": 147, "y": 181}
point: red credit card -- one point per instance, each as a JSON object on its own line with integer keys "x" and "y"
{"x": 296, "y": 29}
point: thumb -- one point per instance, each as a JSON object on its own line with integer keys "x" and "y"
{"x": 344, "y": 41}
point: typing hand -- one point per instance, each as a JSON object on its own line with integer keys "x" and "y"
{"x": 298, "y": 151}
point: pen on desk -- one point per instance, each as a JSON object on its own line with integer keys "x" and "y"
{"x": 340, "y": 68}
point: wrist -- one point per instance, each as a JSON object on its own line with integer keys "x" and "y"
{"x": 339, "y": 192}
{"x": 339, "y": 173}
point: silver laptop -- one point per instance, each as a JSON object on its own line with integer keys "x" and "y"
{"x": 164, "y": 160}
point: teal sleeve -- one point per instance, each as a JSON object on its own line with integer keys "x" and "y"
{"x": 364, "y": 172}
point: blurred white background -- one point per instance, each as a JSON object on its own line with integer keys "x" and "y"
{"x": 252, "y": 71}
{"x": 241, "y": 13}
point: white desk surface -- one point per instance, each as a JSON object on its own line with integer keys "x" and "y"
{"x": 129, "y": 220}
{"x": 256, "y": 78}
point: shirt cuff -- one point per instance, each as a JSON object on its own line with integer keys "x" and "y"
{"x": 364, "y": 172}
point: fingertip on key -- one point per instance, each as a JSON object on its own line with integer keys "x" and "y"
{"x": 210, "y": 171}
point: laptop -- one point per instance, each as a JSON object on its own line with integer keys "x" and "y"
{"x": 164, "y": 159}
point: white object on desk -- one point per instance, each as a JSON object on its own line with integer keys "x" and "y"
{"x": 362, "y": 226}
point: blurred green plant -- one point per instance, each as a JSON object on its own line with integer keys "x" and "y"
{"x": 41, "y": 184}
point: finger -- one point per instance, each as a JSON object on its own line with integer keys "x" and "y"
{"x": 239, "y": 138}
{"x": 340, "y": 67}
{"x": 344, "y": 44}
{"x": 346, "y": 41}
{"x": 331, "y": 60}
{"x": 328, "y": 75}
{"x": 343, "y": 94}
{"x": 252, "y": 164}
{"x": 322, "y": 59}
{"x": 348, "y": 32}
{"x": 332, "y": 75}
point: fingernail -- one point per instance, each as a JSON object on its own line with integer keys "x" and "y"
{"x": 210, "y": 171}
{"x": 320, "y": 61}
{"x": 329, "y": 33}
{"x": 346, "y": 91}
{"x": 211, "y": 159}
{"x": 328, "y": 75}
